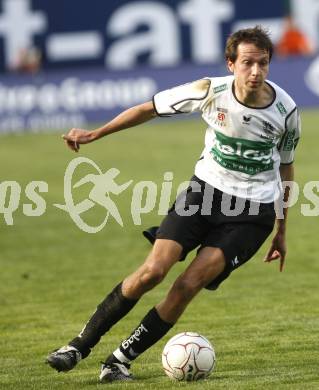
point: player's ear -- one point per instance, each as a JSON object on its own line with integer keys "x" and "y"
{"x": 230, "y": 65}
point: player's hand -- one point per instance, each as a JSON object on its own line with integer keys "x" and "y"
{"x": 75, "y": 137}
{"x": 277, "y": 250}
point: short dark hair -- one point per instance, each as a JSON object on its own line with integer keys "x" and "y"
{"x": 256, "y": 35}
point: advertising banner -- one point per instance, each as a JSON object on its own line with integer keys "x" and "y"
{"x": 120, "y": 34}
{"x": 65, "y": 99}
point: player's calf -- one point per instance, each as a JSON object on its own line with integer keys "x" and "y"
{"x": 151, "y": 329}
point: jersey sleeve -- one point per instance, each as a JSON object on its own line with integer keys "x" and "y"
{"x": 290, "y": 138}
{"x": 186, "y": 98}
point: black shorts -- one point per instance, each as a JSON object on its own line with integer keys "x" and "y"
{"x": 210, "y": 218}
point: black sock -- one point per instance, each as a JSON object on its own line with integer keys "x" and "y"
{"x": 114, "y": 307}
{"x": 151, "y": 329}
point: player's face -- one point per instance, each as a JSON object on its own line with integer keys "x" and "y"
{"x": 250, "y": 68}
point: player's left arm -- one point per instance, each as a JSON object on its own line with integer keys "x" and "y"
{"x": 278, "y": 248}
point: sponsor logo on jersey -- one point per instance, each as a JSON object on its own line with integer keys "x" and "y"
{"x": 220, "y": 88}
{"x": 246, "y": 156}
{"x": 246, "y": 119}
{"x": 268, "y": 137}
{"x": 269, "y": 131}
{"x": 289, "y": 143}
{"x": 220, "y": 109}
{"x": 268, "y": 127}
{"x": 281, "y": 108}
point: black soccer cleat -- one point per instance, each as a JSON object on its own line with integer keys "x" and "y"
{"x": 64, "y": 359}
{"x": 115, "y": 372}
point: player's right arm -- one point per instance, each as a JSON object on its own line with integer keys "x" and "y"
{"x": 182, "y": 99}
{"x": 128, "y": 118}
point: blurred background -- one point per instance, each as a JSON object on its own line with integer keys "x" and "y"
{"x": 66, "y": 64}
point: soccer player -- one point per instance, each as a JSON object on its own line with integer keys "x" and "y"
{"x": 228, "y": 210}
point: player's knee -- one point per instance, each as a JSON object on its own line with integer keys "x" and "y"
{"x": 152, "y": 275}
{"x": 186, "y": 288}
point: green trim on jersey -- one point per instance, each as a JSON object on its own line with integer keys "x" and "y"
{"x": 289, "y": 143}
{"x": 281, "y": 108}
{"x": 242, "y": 155}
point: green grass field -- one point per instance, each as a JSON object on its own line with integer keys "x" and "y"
{"x": 263, "y": 324}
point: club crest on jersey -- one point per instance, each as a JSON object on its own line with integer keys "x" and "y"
{"x": 221, "y": 118}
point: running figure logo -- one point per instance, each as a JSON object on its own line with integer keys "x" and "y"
{"x": 104, "y": 186}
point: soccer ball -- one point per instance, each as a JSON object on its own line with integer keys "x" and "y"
{"x": 188, "y": 356}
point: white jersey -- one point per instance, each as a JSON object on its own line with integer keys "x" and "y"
{"x": 244, "y": 146}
